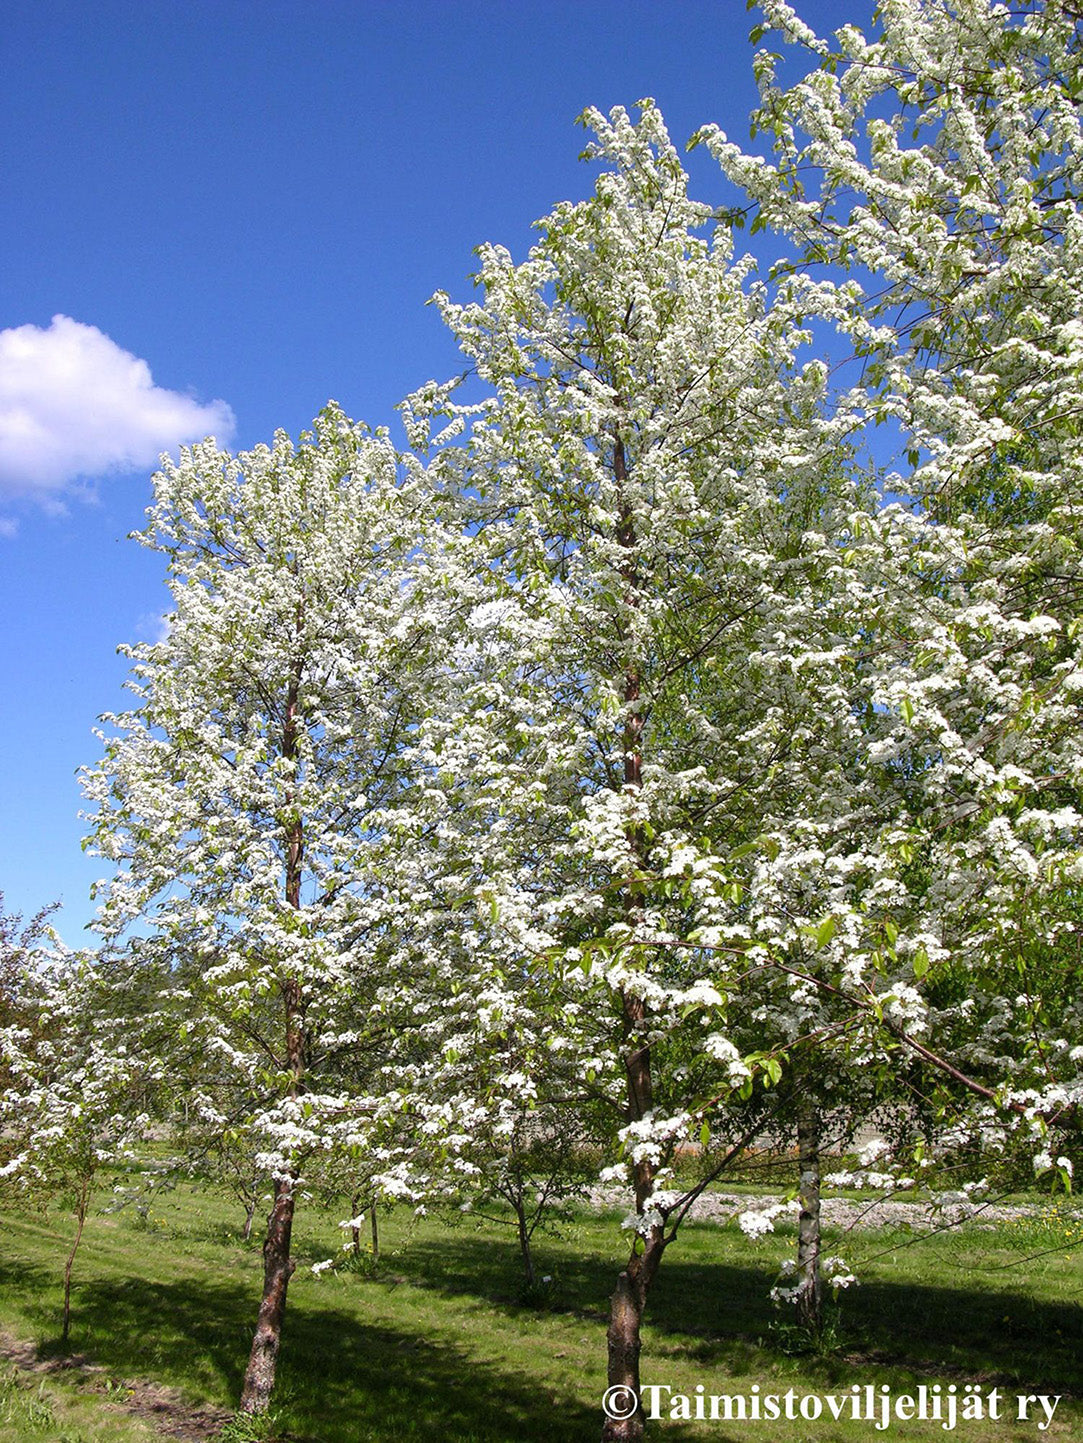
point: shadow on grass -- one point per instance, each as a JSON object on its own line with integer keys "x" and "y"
{"x": 343, "y": 1380}
{"x": 1032, "y": 1343}
{"x": 720, "y": 1313}
{"x": 339, "y": 1381}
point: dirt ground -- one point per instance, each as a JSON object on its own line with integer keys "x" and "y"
{"x": 163, "y": 1408}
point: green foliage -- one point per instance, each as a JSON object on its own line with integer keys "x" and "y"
{"x": 801, "y": 1339}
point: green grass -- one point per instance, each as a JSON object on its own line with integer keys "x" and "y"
{"x": 436, "y": 1344}
{"x": 51, "y": 1410}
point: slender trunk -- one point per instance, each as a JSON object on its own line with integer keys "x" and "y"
{"x": 80, "y": 1216}
{"x": 809, "y": 1287}
{"x": 629, "y": 1298}
{"x": 278, "y": 1266}
{"x": 524, "y": 1242}
{"x": 374, "y": 1226}
{"x": 355, "y": 1231}
{"x": 623, "y": 1336}
{"x": 250, "y": 1217}
{"x": 630, "y": 1295}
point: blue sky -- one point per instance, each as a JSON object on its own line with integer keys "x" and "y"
{"x": 238, "y": 210}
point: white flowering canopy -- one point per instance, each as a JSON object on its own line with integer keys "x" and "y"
{"x": 939, "y": 162}
{"x": 246, "y": 800}
{"x": 681, "y": 577}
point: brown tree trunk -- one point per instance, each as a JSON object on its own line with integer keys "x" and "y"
{"x": 80, "y": 1219}
{"x": 355, "y": 1231}
{"x": 524, "y": 1242}
{"x": 249, "y": 1218}
{"x": 278, "y": 1266}
{"x": 623, "y": 1336}
{"x": 809, "y": 1296}
{"x": 625, "y": 1421}
{"x": 629, "y": 1298}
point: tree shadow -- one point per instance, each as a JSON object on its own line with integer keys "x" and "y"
{"x": 345, "y": 1381}
{"x": 725, "y": 1316}
{"x": 340, "y": 1380}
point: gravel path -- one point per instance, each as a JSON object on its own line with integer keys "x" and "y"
{"x": 723, "y": 1207}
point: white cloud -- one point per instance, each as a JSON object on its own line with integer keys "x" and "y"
{"x": 153, "y": 626}
{"x": 75, "y": 406}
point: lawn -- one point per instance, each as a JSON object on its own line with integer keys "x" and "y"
{"x": 436, "y": 1342}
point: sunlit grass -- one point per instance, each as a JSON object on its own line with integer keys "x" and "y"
{"x": 436, "y": 1342}
{"x": 53, "y": 1410}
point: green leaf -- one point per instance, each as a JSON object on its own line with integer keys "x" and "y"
{"x": 825, "y": 931}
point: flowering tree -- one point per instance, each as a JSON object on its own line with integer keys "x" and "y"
{"x": 73, "y": 1097}
{"x": 19, "y": 941}
{"x": 717, "y": 746}
{"x": 939, "y": 161}
{"x": 243, "y": 802}
{"x": 676, "y": 571}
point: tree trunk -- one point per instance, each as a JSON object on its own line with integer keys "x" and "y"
{"x": 278, "y": 1266}
{"x": 80, "y": 1216}
{"x": 630, "y": 1295}
{"x": 809, "y": 1286}
{"x": 524, "y": 1242}
{"x": 623, "y": 1336}
{"x": 375, "y": 1231}
{"x": 355, "y": 1231}
{"x": 250, "y": 1217}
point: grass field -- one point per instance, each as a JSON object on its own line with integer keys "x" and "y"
{"x": 436, "y": 1343}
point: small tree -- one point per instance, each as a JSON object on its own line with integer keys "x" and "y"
{"x": 530, "y": 1150}
{"x": 73, "y": 1094}
{"x": 244, "y": 802}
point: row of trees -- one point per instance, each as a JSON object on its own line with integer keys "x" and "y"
{"x": 632, "y": 744}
